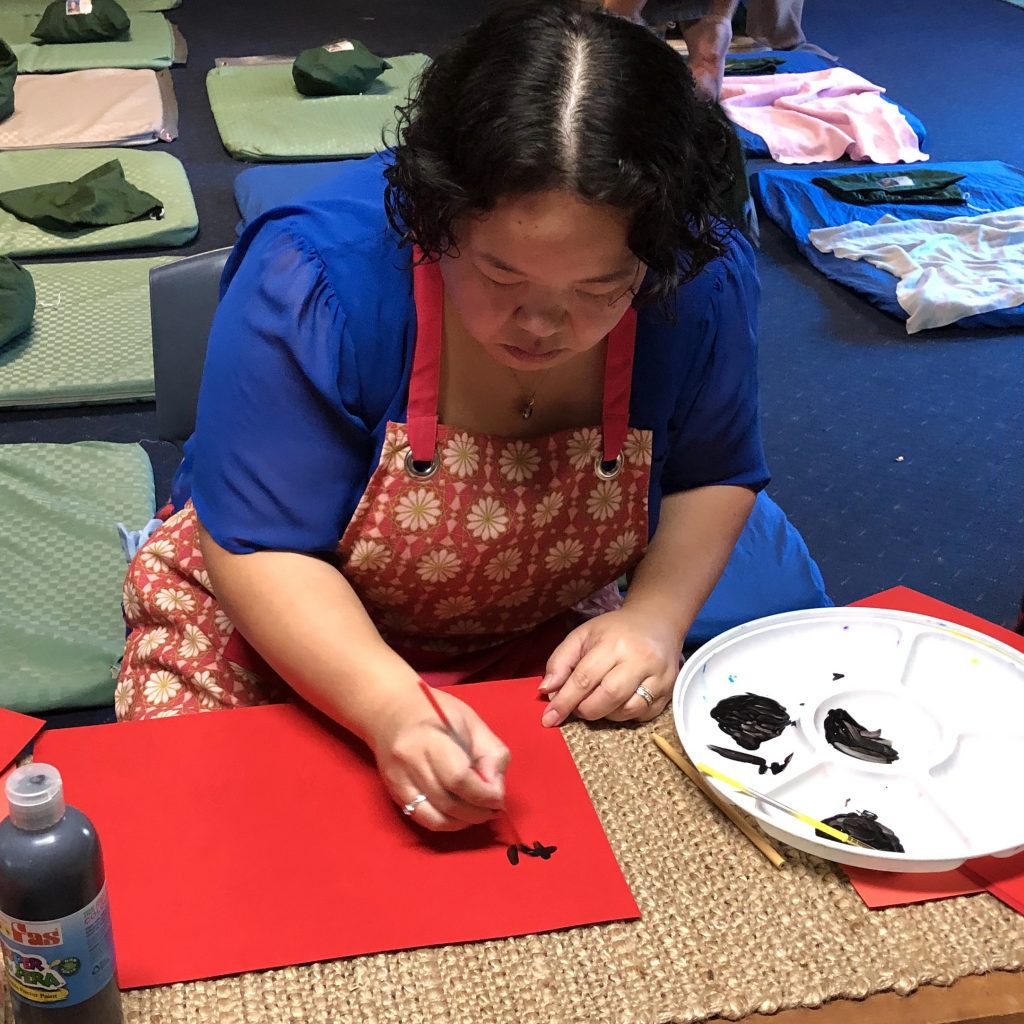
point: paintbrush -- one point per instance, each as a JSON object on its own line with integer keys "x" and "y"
{"x": 457, "y": 738}
{"x": 742, "y": 787}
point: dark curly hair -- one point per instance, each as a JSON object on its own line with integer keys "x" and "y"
{"x": 552, "y": 94}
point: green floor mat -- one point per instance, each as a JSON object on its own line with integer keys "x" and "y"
{"x": 37, "y": 7}
{"x": 61, "y": 568}
{"x": 261, "y": 116}
{"x": 90, "y": 339}
{"x": 160, "y": 174}
{"x": 151, "y": 45}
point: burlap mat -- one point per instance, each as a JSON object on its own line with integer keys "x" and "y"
{"x": 723, "y": 933}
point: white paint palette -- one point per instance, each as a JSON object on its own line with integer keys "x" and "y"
{"x": 949, "y": 699}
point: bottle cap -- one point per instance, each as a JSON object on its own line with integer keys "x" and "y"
{"x": 35, "y": 793}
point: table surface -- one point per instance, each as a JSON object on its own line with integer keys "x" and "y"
{"x": 996, "y": 998}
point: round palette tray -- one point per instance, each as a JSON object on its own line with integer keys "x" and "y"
{"x": 948, "y": 699}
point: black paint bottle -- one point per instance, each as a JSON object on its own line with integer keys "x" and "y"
{"x": 54, "y": 920}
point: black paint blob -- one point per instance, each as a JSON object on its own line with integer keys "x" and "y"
{"x": 762, "y": 765}
{"x": 836, "y": 676}
{"x": 751, "y": 719}
{"x": 866, "y": 828}
{"x": 537, "y": 850}
{"x": 849, "y": 736}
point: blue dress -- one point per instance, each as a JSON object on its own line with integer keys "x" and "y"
{"x": 310, "y": 355}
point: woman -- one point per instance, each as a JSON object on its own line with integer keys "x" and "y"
{"x": 455, "y": 393}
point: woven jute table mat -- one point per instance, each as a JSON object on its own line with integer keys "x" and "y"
{"x": 723, "y": 933}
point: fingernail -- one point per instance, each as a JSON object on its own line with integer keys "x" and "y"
{"x": 543, "y": 684}
{"x": 550, "y": 718}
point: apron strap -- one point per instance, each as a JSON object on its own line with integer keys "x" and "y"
{"x": 424, "y": 383}
{"x": 618, "y": 384}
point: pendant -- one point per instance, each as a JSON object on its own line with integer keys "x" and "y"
{"x": 527, "y": 410}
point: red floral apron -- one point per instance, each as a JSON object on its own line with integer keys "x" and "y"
{"x": 468, "y": 551}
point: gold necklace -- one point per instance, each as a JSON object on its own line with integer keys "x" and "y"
{"x": 529, "y": 399}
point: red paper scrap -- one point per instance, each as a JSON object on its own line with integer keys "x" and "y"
{"x": 896, "y": 888}
{"x": 903, "y": 599}
{"x": 1003, "y": 876}
{"x": 880, "y": 889}
{"x": 16, "y": 732}
{"x": 263, "y": 837}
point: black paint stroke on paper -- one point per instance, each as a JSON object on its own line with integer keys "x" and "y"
{"x": 537, "y": 850}
{"x": 751, "y": 719}
{"x": 845, "y": 733}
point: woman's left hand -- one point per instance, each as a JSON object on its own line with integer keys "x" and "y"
{"x": 595, "y": 671}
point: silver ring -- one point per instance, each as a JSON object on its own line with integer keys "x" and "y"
{"x": 642, "y": 691}
{"x": 410, "y": 808}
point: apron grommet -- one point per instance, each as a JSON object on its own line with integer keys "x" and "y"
{"x": 419, "y": 469}
{"x": 610, "y": 469}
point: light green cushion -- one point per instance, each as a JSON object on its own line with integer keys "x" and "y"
{"x": 158, "y": 173}
{"x": 61, "y": 568}
{"x": 151, "y": 46}
{"x": 38, "y": 6}
{"x": 90, "y": 339}
{"x": 261, "y": 116}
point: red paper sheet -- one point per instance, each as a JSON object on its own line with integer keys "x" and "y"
{"x": 259, "y": 838}
{"x": 903, "y": 599}
{"x": 892, "y": 888}
{"x": 1003, "y": 876}
{"x": 879, "y": 889}
{"x": 16, "y": 732}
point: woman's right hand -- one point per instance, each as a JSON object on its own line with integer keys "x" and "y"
{"x": 416, "y": 754}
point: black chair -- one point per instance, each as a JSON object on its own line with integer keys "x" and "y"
{"x": 183, "y": 297}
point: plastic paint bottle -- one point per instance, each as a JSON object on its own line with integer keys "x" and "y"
{"x": 54, "y": 920}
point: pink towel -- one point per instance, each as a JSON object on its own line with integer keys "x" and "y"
{"x": 821, "y": 115}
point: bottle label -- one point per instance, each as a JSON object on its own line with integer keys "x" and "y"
{"x": 61, "y": 962}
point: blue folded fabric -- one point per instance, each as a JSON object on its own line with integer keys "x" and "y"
{"x": 798, "y": 206}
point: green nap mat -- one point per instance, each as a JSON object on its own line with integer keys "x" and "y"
{"x": 151, "y": 45}
{"x": 90, "y": 339}
{"x": 160, "y": 174}
{"x": 261, "y": 116}
{"x": 37, "y": 7}
{"x": 61, "y": 568}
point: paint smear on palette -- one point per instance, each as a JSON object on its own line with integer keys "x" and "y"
{"x": 763, "y": 766}
{"x": 866, "y": 828}
{"x": 847, "y": 735}
{"x": 751, "y": 719}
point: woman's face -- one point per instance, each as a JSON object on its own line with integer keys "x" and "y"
{"x": 541, "y": 278}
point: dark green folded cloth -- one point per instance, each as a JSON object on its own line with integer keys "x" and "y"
{"x": 753, "y": 65}
{"x": 17, "y": 300}
{"x": 8, "y": 73}
{"x": 105, "y": 22}
{"x": 913, "y": 185}
{"x": 345, "y": 68}
{"x": 98, "y": 199}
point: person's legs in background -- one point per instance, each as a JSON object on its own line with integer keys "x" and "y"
{"x": 779, "y": 25}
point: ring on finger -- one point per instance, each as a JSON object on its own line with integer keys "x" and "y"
{"x": 410, "y": 808}
{"x": 644, "y": 694}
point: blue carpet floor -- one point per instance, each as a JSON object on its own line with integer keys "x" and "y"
{"x": 901, "y": 460}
